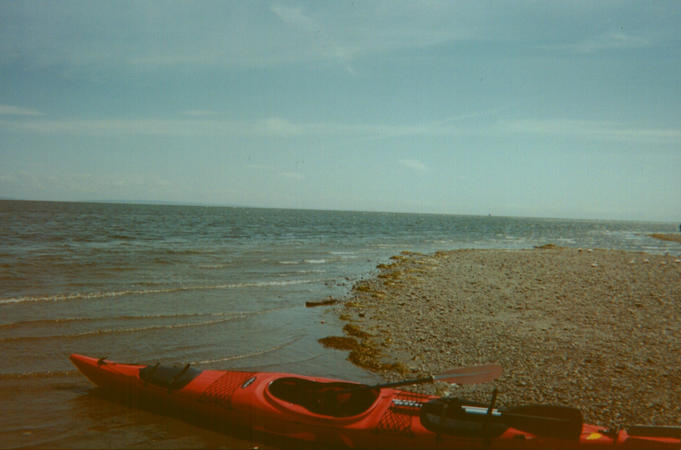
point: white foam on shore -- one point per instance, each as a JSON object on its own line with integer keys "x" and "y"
{"x": 113, "y": 294}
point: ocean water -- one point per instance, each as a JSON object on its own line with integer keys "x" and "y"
{"x": 215, "y": 286}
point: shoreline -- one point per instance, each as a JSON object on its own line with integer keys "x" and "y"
{"x": 594, "y": 329}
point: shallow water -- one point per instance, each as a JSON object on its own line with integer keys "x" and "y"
{"x": 218, "y": 287}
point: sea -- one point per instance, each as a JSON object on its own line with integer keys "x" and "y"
{"x": 218, "y": 287}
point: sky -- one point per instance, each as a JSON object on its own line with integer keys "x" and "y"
{"x": 519, "y": 108}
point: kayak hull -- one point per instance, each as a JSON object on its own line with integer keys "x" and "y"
{"x": 258, "y": 402}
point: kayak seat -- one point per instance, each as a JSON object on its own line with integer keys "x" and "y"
{"x": 170, "y": 377}
{"x": 328, "y": 399}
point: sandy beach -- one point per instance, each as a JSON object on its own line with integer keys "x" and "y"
{"x": 595, "y": 329}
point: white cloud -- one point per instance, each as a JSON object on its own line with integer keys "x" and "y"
{"x": 204, "y": 124}
{"x": 292, "y": 176}
{"x": 199, "y": 113}
{"x": 9, "y": 110}
{"x": 613, "y": 40}
{"x": 414, "y": 164}
{"x": 600, "y": 130}
{"x": 276, "y": 126}
{"x": 294, "y": 17}
{"x": 271, "y": 170}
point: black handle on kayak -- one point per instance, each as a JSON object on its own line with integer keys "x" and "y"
{"x": 179, "y": 374}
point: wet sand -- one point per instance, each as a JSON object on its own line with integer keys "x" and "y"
{"x": 595, "y": 329}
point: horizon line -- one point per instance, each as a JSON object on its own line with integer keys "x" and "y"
{"x": 245, "y": 206}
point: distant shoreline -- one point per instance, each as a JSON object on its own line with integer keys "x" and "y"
{"x": 595, "y": 329}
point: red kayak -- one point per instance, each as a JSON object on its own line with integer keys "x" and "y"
{"x": 338, "y": 413}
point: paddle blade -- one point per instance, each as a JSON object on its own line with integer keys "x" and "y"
{"x": 471, "y": 375}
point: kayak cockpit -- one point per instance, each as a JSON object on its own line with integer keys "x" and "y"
{"x": 170, "y": 377}
{"x": 335, "y": 399}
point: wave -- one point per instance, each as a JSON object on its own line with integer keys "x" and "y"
{"x": 215, "y": 266}
{"x": 183, "y": 251}
{"x": 47, "y": 374}
{"x": 114, "y": 331}
{"x": 66, "y": 320}
{"x": 309, "y": 271}
{"x": 344, "y": 255}
{"x": 112, "y": 294}
{"x": 224, "y": 317}
{"x": 303, "y": 261}
{"x": 251, "y": 354}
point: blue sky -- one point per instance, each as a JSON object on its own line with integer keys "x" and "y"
{"x": 523, "y": 108}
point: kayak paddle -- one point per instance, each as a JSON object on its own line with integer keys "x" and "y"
{"x": 460, "y": 375}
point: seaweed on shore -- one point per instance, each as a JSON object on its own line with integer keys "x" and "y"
{"x": 362, "y": 353}
{"x": 339, "y": 342}
{"x": 667, "y": 237}
{"x": 329, "y": 301}
{"x": 353, "y": 330}
{"x": 548, "y": 247}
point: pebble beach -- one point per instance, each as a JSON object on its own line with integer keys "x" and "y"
{"x": 596, "y": 329}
